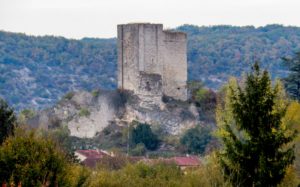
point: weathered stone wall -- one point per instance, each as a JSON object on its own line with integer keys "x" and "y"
{"x": 175, "y": 65}
{"x": 147, "y": 48}
{"x": 150, "y": 84}
{"x": 128, "y": 57}
{"x": 150, "y": 37}
{"x": 151, "y": 63}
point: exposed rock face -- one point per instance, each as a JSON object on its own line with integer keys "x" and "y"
{"x": 87, "y": 114}
{"x": 152, "y": 63}
{"x": 173, "y": 116}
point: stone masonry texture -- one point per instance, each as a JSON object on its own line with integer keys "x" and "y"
{"x": 152, "y": 61}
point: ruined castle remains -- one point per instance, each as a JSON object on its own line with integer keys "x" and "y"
{"x": 152, "y": 61}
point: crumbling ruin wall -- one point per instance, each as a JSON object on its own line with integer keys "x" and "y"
{"x": 145, "y": 49}
{"x": 175, "y": 65}
{"x": 128, "y": 57}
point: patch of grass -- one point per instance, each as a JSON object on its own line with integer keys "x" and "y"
{"x": 96, "y": 93}
{"x": 28, "y": 113}
{"x": 25, "y": 115}
{"x": 84, "y": 112}
{"x": 69, "y": 95}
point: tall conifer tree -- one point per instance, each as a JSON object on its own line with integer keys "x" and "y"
{"x": 255, "y": 140}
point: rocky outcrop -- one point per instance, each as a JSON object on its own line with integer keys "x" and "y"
{"x": 86, "y": 114}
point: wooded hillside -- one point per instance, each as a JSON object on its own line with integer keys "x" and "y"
{"x": 36, "y": 71}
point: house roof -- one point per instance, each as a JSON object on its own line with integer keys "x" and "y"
{"x": 187, "y": 161}
{"x": 92, "y": 154}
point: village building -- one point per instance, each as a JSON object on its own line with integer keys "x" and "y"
{"x": 90, "y": 157}
{"x": 187, "y": 162}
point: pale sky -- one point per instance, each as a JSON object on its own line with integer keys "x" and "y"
{"x": 99, "y": 18}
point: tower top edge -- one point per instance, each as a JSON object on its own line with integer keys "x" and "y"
{"x": 174, "y": 32}
{"x": 140, "y": 23}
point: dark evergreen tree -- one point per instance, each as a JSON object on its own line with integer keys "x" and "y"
{"x": 255, "y": 144}
{"x": 196, "y": 139}
{"x": 7, "y": 120}
{"x": 142, "y": 133}
{"x": 292, "y": 82}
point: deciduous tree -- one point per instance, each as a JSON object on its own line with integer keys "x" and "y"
{"x": 32, "y": 161}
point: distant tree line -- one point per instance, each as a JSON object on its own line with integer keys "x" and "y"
{"x": 43, "y": 69}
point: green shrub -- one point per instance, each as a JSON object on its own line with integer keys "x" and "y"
{"x": 196, "y": 139}
{"x": 139, "y": 150}
{"x": 96, "y": 93}
{"x": 142, "y": 133}
{"x": 69, "y": 95}
{"x": 31, "y": 160}
{"x": 84, "y": 112}
{"x": 138, "y": 175}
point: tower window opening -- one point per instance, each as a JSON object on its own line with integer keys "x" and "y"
{"x": 148, "y": 88}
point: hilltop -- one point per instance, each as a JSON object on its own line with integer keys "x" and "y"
{"x": 36, "y": 71}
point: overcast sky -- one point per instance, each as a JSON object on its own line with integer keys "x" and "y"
{"x": 98, "y": 18}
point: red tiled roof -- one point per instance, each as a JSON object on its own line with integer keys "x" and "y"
{"x": 92, "y": 156}
{"x": 92, "y": 153}
{"x": 187, "y": 161}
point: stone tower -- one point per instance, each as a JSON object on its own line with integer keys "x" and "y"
{"x": 152, "y": 61}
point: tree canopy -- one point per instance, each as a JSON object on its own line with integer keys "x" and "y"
{"x": 196, "y": 139}
{"x": 292, "y": 81}
{"x": 142, "y": 133}
{"x": 255, "y": 139}
{"x": 31, "y": 161}
{"x": 36, "y": 71}
{"x": 7, "y": 120}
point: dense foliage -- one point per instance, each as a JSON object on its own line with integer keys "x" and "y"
{"x": 160, "y": 174}
{"x": 205, "y": 100}
{"x": 196, "y": 139}
{"x": 36, "y": 71}
{"x": 7, "y": 120}
{"x": 254, "y": 137}
{"x": 216, "y": 52}
{"x": 292, "y": 82}
{"x": 142, "y": 133}
{"x": 292, "y": 120}
{"x": 31, "y": 161}
{"x": 41, "y": 158}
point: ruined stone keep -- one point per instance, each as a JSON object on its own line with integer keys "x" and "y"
{"x": 152, "y": 61}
